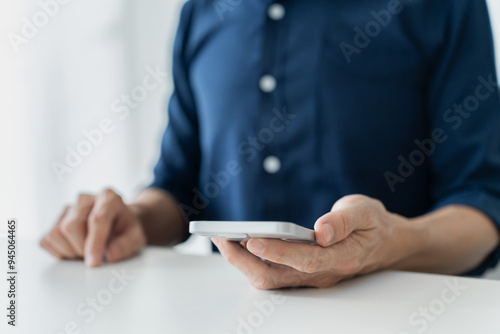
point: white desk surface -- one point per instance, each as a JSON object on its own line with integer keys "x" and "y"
{"x": 174, "y": 293}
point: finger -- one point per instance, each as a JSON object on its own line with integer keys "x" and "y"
{"x": 303, "y": 257}
{"x": 74, "y": 223}
{"x": 335, "y": 226}
{"x": 44, "y": 242}
{"x": 63, "y": 214}
{"x": 125, "y": 245}
{"x": 56, "y": 241}
{"x": 101, "y": 218}
{"x": 236, "y": 255}
{"x": 49, "y": 249}
{"x": 260, "y": 274}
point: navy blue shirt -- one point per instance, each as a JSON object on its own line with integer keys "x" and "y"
{"x": 281, "y": 108}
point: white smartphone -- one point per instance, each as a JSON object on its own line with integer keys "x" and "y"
{"x": 242, "y": 230}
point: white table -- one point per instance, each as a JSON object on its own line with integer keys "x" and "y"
{"x": 174, "y": 293}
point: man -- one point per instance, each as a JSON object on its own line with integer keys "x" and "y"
{"x": 283, "y": 109}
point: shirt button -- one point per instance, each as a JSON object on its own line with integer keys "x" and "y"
{"x": 267, "y": 83}
{"x": 276, "y": 11}
{"x": 272, "y": 164}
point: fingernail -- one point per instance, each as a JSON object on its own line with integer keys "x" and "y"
{"x": 255, "y": 246}
{"x": 91, "y": 261}
{"x": 328, "y": 233}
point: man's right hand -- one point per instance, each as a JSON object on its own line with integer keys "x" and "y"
{"x": 96, "y": 228}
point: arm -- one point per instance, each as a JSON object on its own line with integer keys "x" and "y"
{"x": 465, "y": 168}
{"x": 451, "y": 240}
{"x": 360, "y": 236}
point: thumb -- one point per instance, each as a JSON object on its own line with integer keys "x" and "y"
{"x": 333, "y": 227}
{"x": 125, "y": 245}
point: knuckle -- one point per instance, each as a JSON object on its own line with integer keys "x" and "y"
{"x": 354, "y": 199}
{"x": 113, "y": 201}
{"x": 64, "y": 214}
{"x": 262, "y": 282}
{"x": 342, "y": 224}
{"x": 350, "y": 267}
{"x": 83, "y": 199}
{"x": 345, "y": 224}
{"x": 355, "y": 265}
{"x": 64, "y": 229}
{"x": 46, "y": 239}
{"x": 349, "y": 199}
{"x": 109, "y": 193}
{"x": 280, "y": 255}
{"x": 317, "y": 262}
{"x": 52, "y": 236}
{"x": 98, "y": 218}
{"x": 377, "y": 202}
{"x": 67, "y": 226}
{"x": 311, "y": 265}
{"x": 378, "y": 206}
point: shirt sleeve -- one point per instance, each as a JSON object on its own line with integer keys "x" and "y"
{"x": 464, "y": 104}
{"x": 178, "y": 166}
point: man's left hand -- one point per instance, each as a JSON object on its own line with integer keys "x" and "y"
{"x": 357, "y": 236}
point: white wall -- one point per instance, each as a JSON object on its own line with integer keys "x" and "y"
{"x": 63, "y": 82}
{"x": 494, "y": 6}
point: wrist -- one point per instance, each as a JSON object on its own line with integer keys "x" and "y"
{"x": 412, "y": 239}
{"x": 137, "y": 211}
